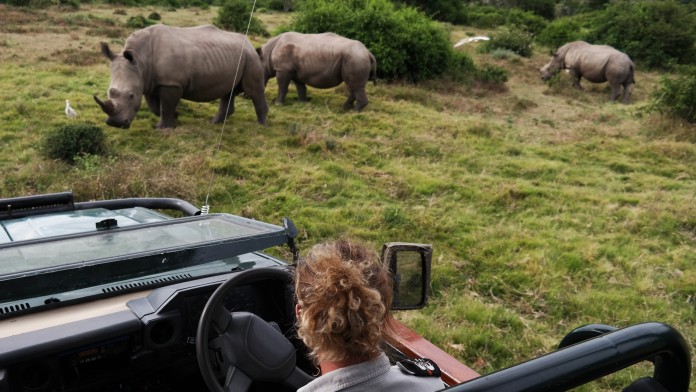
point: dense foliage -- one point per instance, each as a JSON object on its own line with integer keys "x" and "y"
{"x": 469, "y": 12}
{"x": 139, "y": 22}
{"x": 451, "y": 11}
{"x": 68, "y": 142}
{"x": 675, "y": 97}
{"x": 562, "y": 31}
{"x": 653, "y": 33}
{"x": 513, "y": 39}
{"x": 234, "y": 16}
{"x": 491, "y": 17}
{"x": 406, "y": 43}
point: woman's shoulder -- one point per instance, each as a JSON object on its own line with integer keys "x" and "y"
{"x": 420, "y": 374}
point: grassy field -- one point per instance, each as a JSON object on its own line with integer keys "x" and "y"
{"x": 548, "y": 208}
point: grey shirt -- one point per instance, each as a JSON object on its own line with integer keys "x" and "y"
{"x": 374, "y": 375}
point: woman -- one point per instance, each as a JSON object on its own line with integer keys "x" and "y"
{"x": 344, "y": 294}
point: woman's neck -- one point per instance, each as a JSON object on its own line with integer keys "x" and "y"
{"x": 329, "y": 366}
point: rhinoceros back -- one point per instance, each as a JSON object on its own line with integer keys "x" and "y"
{"x": 598, "y": 63}
{"x": 201, "y": 60}
{"x": 319, "y": 59}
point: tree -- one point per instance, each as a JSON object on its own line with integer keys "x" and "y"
{"x": 655, "y": 33}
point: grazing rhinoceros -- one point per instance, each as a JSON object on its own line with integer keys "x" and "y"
{"x": 320, "y": 61}
{"x": 166, "y": 64}
{"x": 596, "y": 63}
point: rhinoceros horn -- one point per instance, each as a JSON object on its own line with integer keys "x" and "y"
{"x": 107, "y": 107}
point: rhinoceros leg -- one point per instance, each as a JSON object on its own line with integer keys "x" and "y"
{"x": 169, "y": 99}
{"x": 628, "y": 87}
{"x": 575, "y": 75}
{"x": 349, "y": 102}
{"x": 227, "y": 100}
{"x": 356, "y": 94}
{"x": 254, "y": 89}
{"x": 153, "y": 103}
{"x": 301, "y": 91}
{"x": 283, "y": 83}
{"x": 361, "y": 97}
{"x": 615, "y": 91}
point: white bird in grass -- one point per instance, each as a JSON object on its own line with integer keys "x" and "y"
{"x": 69, "y": 111}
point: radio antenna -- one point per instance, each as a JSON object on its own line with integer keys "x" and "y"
{"x": 206, "y": 207}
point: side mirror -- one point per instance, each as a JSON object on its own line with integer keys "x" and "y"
{"x": 410, "y": 267}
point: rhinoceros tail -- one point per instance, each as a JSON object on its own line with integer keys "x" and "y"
{"x": 373, "y": 63}
{"x": 631, "y": 75}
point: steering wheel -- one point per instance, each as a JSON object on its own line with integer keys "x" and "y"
{"x": 245, "y": 348}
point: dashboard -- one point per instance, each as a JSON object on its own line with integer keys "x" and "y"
{"x": 149, "y": 345}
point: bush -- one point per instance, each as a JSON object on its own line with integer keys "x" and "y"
{"x": 281, "y": 5}
{"x": 675, "y": 96}
{"x": 451, "y": 11}
{"x": 654, "y": 33}
{"x": 138, "y": 22}
{"x": 544, "y": 8}
{"x": 575, "y": 7}
{"x": 492, "y": 75}
{"x": 154, "y": 16}
{"x": 70, "y": 141}
{"x": 561, "y": 31}
{"x": 491, "y": 17}
{"x": 405, "y": 42}
{"x": 73, "y": 4}
{"x": 511, "y": 39}
{"x": 234, "y": 16}
{"x": 461, "y": 68}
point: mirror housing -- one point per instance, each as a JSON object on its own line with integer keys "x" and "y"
{"x": 410, "y": 266}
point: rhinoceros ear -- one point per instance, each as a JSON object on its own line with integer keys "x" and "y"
{"x": 106, "y": 51}
{"x": 129, "y": 56}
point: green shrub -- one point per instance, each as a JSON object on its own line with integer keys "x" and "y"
{"x": 405, "y": 42}
{"x": 492, "y": 75}
{"x": 544, "y": 8}
{"x": 73, "y": 4}
{"x": 512, "y": 39}
{"x": 200, "y": 4}
{"x": 281, "y": 5}
{"x": 69, "y": 141}
{"x": 654, "y": 33}
{"x": 491, "y": 17}
{"x": 461, "y": 68}
{"x": 675, "y": 96}
{"x": 526, "y": 21}
{"x": 576, "y": 7}
{"x": 154, "y": 16}
{"x": 451, "y": 11}
{"x": 234, "y": 16}
{"x": 138, "y": 22}
{"x": 561, "y": 31}
{"x": 504, "y": 54}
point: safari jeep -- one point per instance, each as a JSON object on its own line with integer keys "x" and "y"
{"x": 118, "y": 295}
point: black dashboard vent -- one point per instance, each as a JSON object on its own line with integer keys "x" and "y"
{"x": 144, "y": 283}
{"x": 14, "y": 308}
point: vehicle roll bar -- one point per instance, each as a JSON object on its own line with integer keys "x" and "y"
{"x": 20, "y": 207}
{"x": 596, "y": 357}
{"x": 159, "y": 203}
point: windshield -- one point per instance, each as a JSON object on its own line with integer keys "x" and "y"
{"x": 71, "y": 262}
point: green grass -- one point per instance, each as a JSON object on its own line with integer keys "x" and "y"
{"x": 548, "y": 208}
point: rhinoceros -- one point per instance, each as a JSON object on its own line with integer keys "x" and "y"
{"x": 167, "y": 64}
{"x": 320, "y": 61}
{"x": 595, "y": 63}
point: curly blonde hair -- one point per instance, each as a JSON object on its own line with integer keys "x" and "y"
{"x": 345, "y": 295}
